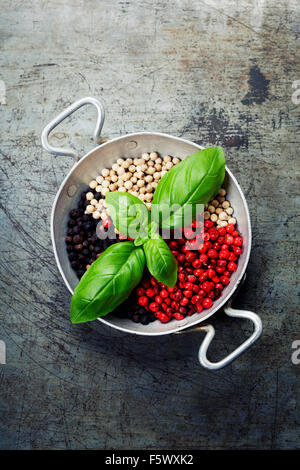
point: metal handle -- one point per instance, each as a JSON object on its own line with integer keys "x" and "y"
{"x": 67, "y": 112}
{"x": 210, "y": 333}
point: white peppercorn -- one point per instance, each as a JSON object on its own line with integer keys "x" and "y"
{"x": 99, "y": 179}
{"x": 229, "y": 211}
{"x": 128, "y": 184}
{"x": 89, "y": 196}
{"x": 223, "y": 216}
{"x": 225, "y": 204}
{"x": 105, "y": 172}
{"x": 96, "y": 215}
{"x": 93, "y": 184}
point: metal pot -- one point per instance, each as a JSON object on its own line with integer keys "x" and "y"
{"x": 133, "y": 145}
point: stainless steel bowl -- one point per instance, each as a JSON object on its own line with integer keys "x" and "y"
{"x": 133, "y": 145}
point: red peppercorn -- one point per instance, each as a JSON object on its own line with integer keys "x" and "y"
{"x": 164, "y": 306}
{"x": 196, "y": 263}
{"x": 219, "y": 286}
{"x": 223, "y": 254}
{"x": 207, "y": 302}
{"x": 237, "y": 250}
{"x": 143, "y": 300}
{"x": 211, "y": 273}
{"x": 140, "y": 291}
{"x": 190, "y": 256}
{"x": 191, "y": 278}
{"x": 227, "y": 273}
{"x": 173, "y": 245}
{"x": 229, "y": 239}
{"x": 181, "y": 276}
{"x": 167, "y": 300}
{"x": 181, "y": 284}
{"x": 154, "y": 307}
{"x": 224, "y": 280}
{"x": 164, "y": 293}
{"x": 187, "y": 293}
{"x": 206, "y": 286}
{"x": 146, "y": 284}
{"x": 208, "y": 245}
{"x": 163, "y": 317}
{"x": 203, "y": 259}
{"x": 203, "y": 276}
{"x": 221, "y": 240}
{"x": 238, "y": 241}
{"x": 215, "y": 279}
{"x": 150, "y": 293}
{"x": 217, "y": 246}
{"x": 188, "y": 233}
{"x": 198, "y": 272}
{"x": 184, "y": 301}
{"x": 195, "y": 299}
{"x": 177, "y": 296}
{"x": 178, "y": 316}
{"x": 220, "y": 270}
{"x": 235, "y": 234}
{"x": 222, "y": 231}
{"x": 175, "y": 305}
{"x": 213, "y": 234}
{"x": 153, "y": 282}
{"x": 158, "y": 299}
{"x": 232, "y": 266}
{"x": 232, "y": 257}
{"x": 199, "y": 307}
{"x": 169, "y": 311}
{"x": 202, "y": 248}
{"x": 208, "y": 224}
{"x": 182, "y": 310}
{"x": 196, "y": 288}
{"x": 229, "y": 228}
{"x": 212, "y": 254}
{"x": 180, "y": 258}
{"x": 188, "y": 286}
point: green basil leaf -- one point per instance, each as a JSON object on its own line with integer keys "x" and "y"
{"x": 108, "y": 282}
{"x": 129, "y": 214}
{"x": 193, "y": 181}
{"x": 160, "y": 261}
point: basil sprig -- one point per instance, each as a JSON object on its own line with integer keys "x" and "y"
{"x": 160, "y": 261}
{"x": 195, "y": 180}
{"x": 108, "y": 282}
{"x": 112, "y": 277}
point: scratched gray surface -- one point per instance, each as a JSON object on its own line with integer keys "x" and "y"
{"x": 210, "y": 71}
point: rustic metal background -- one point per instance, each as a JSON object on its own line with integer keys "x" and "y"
{"x": 210, "y": 71}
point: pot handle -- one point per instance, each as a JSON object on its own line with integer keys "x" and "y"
{"x": 67, "y": 112}
{"x": 210, "y": 333}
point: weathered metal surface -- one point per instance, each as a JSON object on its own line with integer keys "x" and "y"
{"x": 206, "y": 70}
